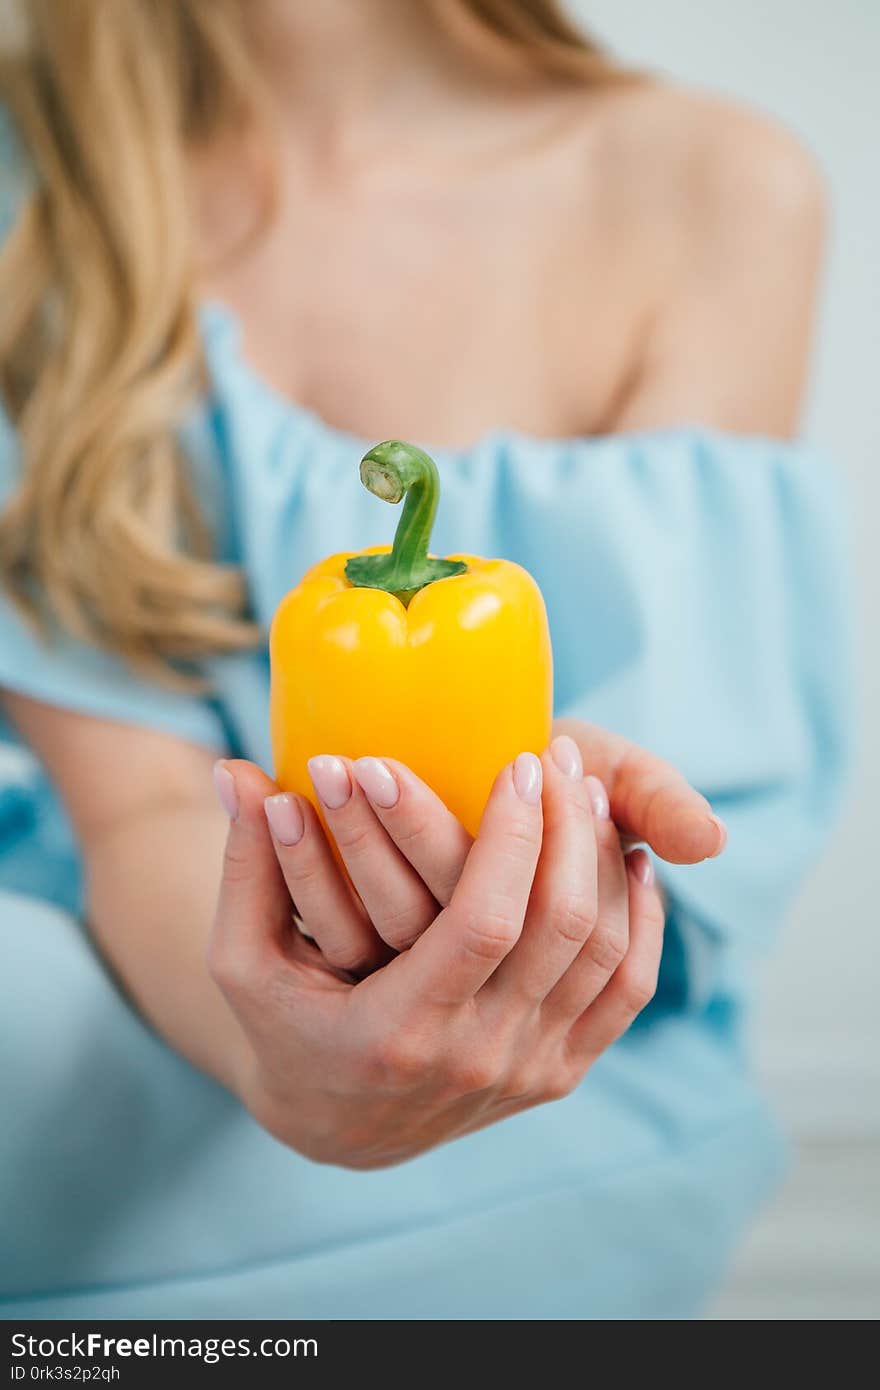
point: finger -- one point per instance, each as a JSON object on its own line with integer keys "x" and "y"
{"x": 253, "y": 910}
{"x": 634, "y": 983}
{"x": 605, "y": 947}
{"x": 470, "y": 938}
{"x": 429, "y": 836}
{"x": 325, "y": 904}
{"x": 398, "y": 903}
{"x": 650, "y": 799}
{"x": 564, "y": 902}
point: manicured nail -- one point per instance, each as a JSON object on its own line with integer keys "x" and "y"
{"x": 721, "y": 828}
{"x": 639, "y": 864}
{"x": 331, "y": 780}
{"x": 378, "y": 781}
{"x": 598, "y": 798}
{"x": 528, "y": 778}
{"x": 224, "y": 785}
{"x": 285, "y": 818}
{"x": 567, "y": 757}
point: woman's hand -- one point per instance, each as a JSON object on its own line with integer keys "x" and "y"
{"x": 523, "y": 955}
{"x": 650, "y": 800}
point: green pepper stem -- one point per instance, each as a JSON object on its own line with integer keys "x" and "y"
{"x": 392, "y": 471}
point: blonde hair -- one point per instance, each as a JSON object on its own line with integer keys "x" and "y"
{"x": 100, "y": 354}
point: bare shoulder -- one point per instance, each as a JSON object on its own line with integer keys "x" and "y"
{"x": 729, "y": 208}
{"x": 678, "y": 141}
{"x": 736, "y": 156}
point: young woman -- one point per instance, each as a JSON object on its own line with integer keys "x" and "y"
{"x": 243, "y": 241}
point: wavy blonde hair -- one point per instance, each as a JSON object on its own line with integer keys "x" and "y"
{"x": 100, "y": 355}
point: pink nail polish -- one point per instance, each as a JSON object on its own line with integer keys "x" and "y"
{"x": 528, "y": 778}
{"x": 331, "y": 780}
{"x": 639, "y": 864}
{"x": 598, "y": 798}
{"x": 567, "y": 757}
{"x": 377, "y": 781}
{"x": 285, "y": 818}
{"x": 722, "y": 835}
{"x": 224, "y": 785}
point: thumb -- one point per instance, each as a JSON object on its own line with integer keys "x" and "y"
{"x": 254, "y": 908}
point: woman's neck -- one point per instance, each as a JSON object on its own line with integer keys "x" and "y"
{"x": 346, "y": 72}
{"x": 341, "y": 62}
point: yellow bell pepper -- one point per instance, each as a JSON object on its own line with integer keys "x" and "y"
{"x": 444, "y": 664}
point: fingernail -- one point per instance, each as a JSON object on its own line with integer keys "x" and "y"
{"x": 567, "y": 757}
{"x": 331, "y": 780}
{"x": 378, "y": 781}
{"x": 285, "y": 818}
{"x": 224, "y": 785}
{"x": 722, "y": 835}
{"x": 639, "y": 864}
{"x": 598, "y": 798}
{"x": 528, "y": 778}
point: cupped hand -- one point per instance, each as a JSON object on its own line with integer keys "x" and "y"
{"x": 650, "y": 800}
{"x": 499, "y": 969}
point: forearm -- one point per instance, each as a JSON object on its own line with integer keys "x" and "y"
{"x": 152, "y": 837}
{"x": 152, "y": 890}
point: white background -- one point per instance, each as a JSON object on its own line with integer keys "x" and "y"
{"x": 815, "y": 66}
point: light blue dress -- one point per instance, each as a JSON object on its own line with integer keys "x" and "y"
{"x": 693, "y": 584}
